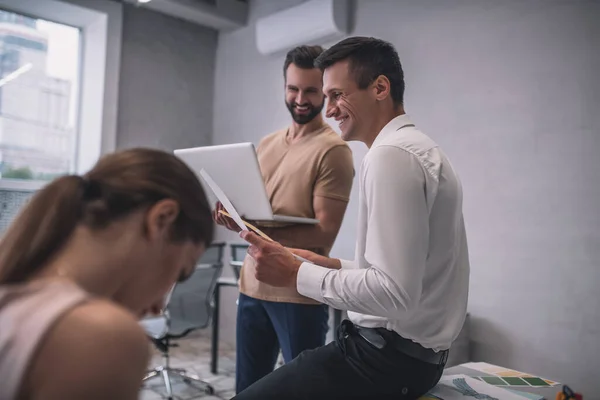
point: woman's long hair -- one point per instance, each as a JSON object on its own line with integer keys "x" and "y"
{"x": 119, "y": 184}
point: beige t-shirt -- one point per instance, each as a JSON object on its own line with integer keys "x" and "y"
{"x": 319, "y": 164}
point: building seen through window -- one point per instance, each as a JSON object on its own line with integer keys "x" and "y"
{"x": 39, "y": 76}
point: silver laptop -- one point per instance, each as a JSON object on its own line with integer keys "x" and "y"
{"x": 235, "y": 168}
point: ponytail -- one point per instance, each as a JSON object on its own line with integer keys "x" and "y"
{"x": 116, "y": 186}
{"x": 41, "y": 229}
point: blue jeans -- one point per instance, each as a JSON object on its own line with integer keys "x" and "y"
{"x": 264, "y": 327}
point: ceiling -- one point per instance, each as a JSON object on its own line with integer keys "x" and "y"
{"x": 222, "y": 15}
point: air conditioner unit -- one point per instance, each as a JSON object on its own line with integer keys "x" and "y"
{"x": 314, "y": 22}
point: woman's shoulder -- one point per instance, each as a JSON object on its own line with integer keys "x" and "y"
{"x": 93, "y": 344}
{"x": 98, "y": 318}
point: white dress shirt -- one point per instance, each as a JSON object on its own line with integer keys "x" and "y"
{"x": 411, "y": 267}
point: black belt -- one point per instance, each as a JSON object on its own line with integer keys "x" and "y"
{"x": 379, "y": 337}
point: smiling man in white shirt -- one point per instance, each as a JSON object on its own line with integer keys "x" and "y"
{"x": 406, "y": 290}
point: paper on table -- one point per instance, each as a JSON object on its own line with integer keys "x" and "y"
{"x": 463, "y": 387}
{"x": 509, "y": 377}
{"x": 530, "y": 396}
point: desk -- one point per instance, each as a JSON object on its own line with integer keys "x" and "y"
{"x": 214, "y": 340}
{"x": 237, "y": 267}
{"x": 548, "y": 392}
{"x": 337, "y": 319}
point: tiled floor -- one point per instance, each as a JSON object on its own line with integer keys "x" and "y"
{"x": 193, "y": 355}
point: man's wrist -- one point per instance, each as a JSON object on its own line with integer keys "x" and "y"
{"x": 309, "y": 280}
{"x": 336, "y": 263}
{"x": 296, "y": 267}
{"x": 328, "y": 262}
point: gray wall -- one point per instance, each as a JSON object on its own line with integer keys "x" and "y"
{"x": 511, "y": 91}
{"x": 166, "y": 82}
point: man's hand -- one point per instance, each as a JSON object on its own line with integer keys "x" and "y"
{"x": 317, "y": 259}
{"x": 275, "y": 265}
{"x": 222, "y": 220}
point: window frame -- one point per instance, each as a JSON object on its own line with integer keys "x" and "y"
{"x": 100, "y": 23}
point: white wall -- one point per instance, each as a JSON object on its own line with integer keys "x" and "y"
{"x": 510, "y": 90}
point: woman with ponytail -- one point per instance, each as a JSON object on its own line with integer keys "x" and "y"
{"x": 84, "y": 259}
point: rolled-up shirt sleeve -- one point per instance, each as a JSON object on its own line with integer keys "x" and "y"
{"x": 397, "y": 224}
{"x": 347, "y": 264}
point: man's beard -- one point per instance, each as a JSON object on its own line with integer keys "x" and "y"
{"x": 304, "y": 118}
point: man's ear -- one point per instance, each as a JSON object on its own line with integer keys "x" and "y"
{"x": 381, "y": 87}
{"x": 160, "y": 218}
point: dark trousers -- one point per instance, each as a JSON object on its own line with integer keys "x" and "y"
{"x": 264, "y": 327}
{"x": 348, "y": 368}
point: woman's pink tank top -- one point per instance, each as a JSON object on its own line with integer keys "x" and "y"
{"x": 27, "y": 312}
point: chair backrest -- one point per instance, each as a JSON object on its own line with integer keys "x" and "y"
{"x": 238, "y": 253}
{"x": 190, "y": 305}
{"x": 213, "y": 254}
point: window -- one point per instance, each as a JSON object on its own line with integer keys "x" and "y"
{"x": 23, "y": 42}
{"x": 91, "y": 109}
{"x": 74, "y": 98}
{"x": 39, "y": 83}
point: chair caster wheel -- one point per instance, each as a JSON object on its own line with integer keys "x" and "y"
{"x": 210, "y": 390}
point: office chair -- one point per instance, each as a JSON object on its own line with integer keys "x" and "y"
{"x": 189, "y": 307}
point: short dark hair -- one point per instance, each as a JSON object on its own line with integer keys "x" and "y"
{"x": 369, "y": 57}
{"x": 302, "y": 56}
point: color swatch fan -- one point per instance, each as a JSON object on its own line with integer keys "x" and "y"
{"x": 507, "y": 377}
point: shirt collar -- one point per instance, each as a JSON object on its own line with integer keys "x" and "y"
{"x": 391, "y": 127}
